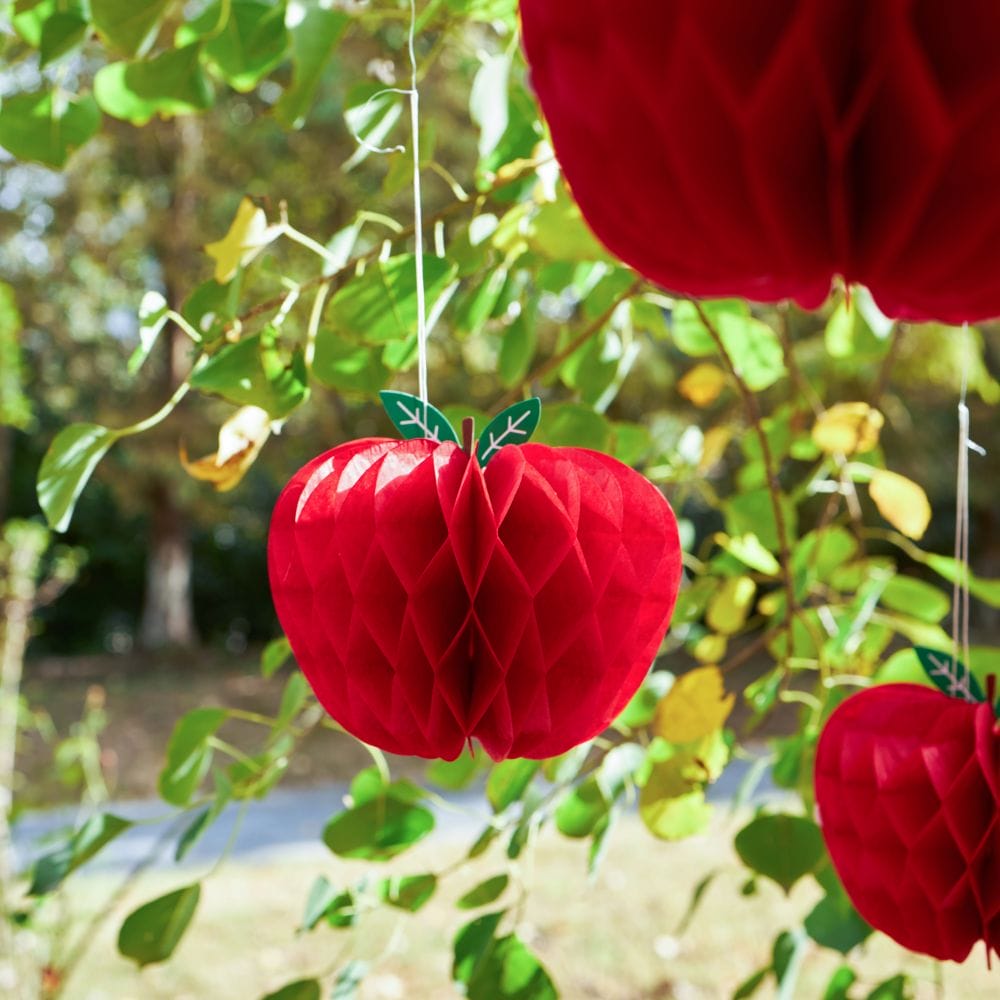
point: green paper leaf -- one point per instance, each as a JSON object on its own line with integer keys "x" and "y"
{"x": 515, "y": 425}
{"x": 485, "y": 893}
{"x": 949, "y": 675}
{"x": 415, "y": 419}
{"x": 50, "y": 870}
{"x": 783, "y": 848}
{"x": 301, "y": 989}
{"x": 66, "y": 468}
{"x": 47, "y": 126}
{"x": 314, "y": 39}
{"x": 172, "y": 83}
{"x": 128, "y": 25}
{"x": 188, "y": 754}
{"x": 152, "y": 932}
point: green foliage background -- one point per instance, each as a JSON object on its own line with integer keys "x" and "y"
{"x": 137, "y": 130}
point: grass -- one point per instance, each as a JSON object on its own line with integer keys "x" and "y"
{"x": 613, "y": 938}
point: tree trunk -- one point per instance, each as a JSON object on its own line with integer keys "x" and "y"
{"x": 168, "y": 613}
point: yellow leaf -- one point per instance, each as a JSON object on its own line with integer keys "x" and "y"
{"x": 695, "y": 707}
{"x": 730, "y": 605}
{"x": 710, "y": 648}
{"x": 703, "y": 384}
{"x": 714, "y": 447}
{"x": 247, "y": 236}
{"x": 847, "y": 428}
{"x": 901, "y": 502}
{"x": 241, "y": 438}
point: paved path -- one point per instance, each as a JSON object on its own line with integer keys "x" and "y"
{"x": 288, "y": 823}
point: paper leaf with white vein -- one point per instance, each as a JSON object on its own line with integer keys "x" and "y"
{"x": 512, "y": 426}
{"x": 950, "y": 675}
{"x": 414, "y": 418}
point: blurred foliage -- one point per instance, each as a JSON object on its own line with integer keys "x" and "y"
{"x": 806, "y": 454}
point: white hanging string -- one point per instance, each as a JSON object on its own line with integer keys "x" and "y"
{"x": 961, "y": 593}
{"x": 418, "y": 213}
{"x": 413, "y": 94}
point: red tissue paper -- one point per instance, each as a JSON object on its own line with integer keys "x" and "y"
{"x": 758, "y": 149}
{"x": 430, "y": 600}
{"x": 908, "y": 792}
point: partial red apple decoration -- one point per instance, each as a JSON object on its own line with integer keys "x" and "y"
{"x": 516, "y": 594}
{"x": 908, "y": 792}
{"x": 758, "y": 149}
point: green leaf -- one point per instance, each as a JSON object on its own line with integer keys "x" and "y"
{"x": 750, "y": 986}
{"x": 840, "y": 984}
{"x": 322, "y": 896}
{"x": 781, "y": 847}
{"x": 378, "y": 829}
{"x": 896, "y": 988}
{"x": 789, "y": 950}
{"x": 347, "y": 366}
{"x": 380, "y": 305}
{"x": 697, "y": 895}
{"x": 128, "y": 25}
{"x": 274, "y": 656}
{"x": 508, "y": 781}
{"x": 950, "y": 675}
{"x": 293, "y": 698}
{"x": 515, "y": 425}
{"x": 579, "y": 813}
{"x": 454, "y": 774}
{"x": 153, "y": 311}
{"x": 371, "y": 112}
{"x": 301, "y": 989}
{"x": 516, "y": 350}
{"x": 639, "y": 712}
{"x": 485, "y": 893}
{"x": 64, "y": 31}
{"x": 152, "y": 932}
{"x": 558, "y": 231}
{"x": 834, "y": 922}
{"x": 573, "y": 425}
{"x": 488, "y": 101}
{"x": 917, "y": 598}
{"x": 251, "y": 42}
{"x": 256, "y": 372}
{"x": 409, "y": 892}
{"x": 415, "y": 419}
{"x": 172, "y": 83}
{"x": 314, "y": 39}
{"x": 345, "y": 986}
{"x": 50, "y": 870}
{"x": 66, "y": 468}
{"x": 47, "y": 126}
{"x": 188, "y": 754}
{"x": 15, "y": 408}
{"x": 689, "y": 332}
{"x": 490, "y": 968}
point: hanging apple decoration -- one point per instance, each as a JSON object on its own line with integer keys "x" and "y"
{"x": 759, "y": 149}
{"x": 515, "y": 595}
{"x": 908, "y": 793}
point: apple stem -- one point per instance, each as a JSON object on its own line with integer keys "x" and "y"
{"x": 468, "y": 434}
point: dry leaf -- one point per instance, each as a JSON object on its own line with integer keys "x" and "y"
{"x": 247, "y": 236}
{"x": 901, "y": 502}
{"x": 695, "y": 707}
{"x": 241, "y": 438}
{"x": 848, "y": 428}
{"x": 703, "y": 384}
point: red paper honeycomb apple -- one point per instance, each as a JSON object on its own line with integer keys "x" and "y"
{"x": 516, "y": 595}
{"x": 908, "y": 792}
{"x": 758, "y": 149}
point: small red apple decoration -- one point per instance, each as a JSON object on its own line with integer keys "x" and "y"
{"x": 908, "y": 793}
{"x": 758, "y": 148}
{"x": 516, "y": 595}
